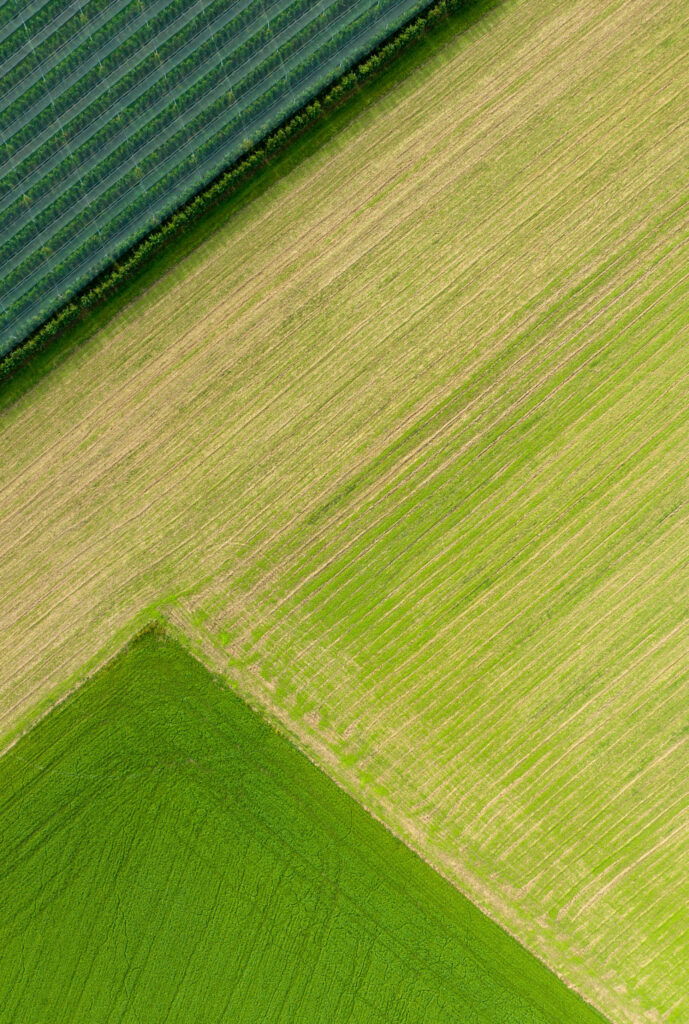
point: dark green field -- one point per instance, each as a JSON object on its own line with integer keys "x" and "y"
{"x": 114, "y": 112}
{"x": 166, "y": 856}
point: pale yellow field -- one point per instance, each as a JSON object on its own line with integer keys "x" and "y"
{"x": 402, "y": 449}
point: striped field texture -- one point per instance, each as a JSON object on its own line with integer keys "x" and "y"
{"x": 113, "y": 112}
{"x": 402, "y": 446}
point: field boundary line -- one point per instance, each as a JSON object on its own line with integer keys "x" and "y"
{"x": 315, "y": 111}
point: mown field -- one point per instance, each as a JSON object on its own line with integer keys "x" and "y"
{"x": 165, "y": 855}
{"x": 113, "y": 113}
{"x": 399, "y": 442}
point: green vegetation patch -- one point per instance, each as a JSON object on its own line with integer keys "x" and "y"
{"x": 166, "y": 856}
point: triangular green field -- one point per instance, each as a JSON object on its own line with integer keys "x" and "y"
{"x": 167, "y": 858}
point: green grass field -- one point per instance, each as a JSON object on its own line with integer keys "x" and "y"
{"x": 166, "y": 856}
{"x": 398, "y": 441}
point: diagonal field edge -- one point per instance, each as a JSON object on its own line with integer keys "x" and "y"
{"x": 528, "y": 983}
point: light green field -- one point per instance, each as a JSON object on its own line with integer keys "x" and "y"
{"x": 401, "y": 447}
{"x": 166, "y": 856}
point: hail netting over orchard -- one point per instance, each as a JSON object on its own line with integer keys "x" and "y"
{"x": 113, "y": 112}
